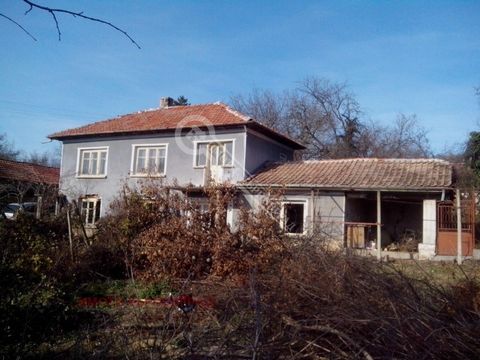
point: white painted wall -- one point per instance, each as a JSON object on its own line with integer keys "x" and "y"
{"x": 426, "y": 249}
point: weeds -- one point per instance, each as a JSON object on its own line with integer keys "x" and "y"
{"x": 258, "y": 295}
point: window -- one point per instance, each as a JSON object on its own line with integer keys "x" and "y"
{"x": 149, "y": 160}
{"x": 216, "y": 153}
{"x": 90, "y": 210}
{"x": 92, "y": 162}
{"x": 294, "y": 218}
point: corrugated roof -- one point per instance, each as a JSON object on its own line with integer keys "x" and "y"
{"x": 33, "y": 173}
{"x": 171, "y": 118}
{"x": 367, "y": 173}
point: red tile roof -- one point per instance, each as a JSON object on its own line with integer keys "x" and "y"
{"x": 170, "y": 118}
{"x": 409, "y": 174}
{"x": 33, "y": 173}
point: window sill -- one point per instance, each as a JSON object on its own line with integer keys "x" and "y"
{"x": 225, "y": 167}
{"x": 295, "y": 234}
{"x": 91, "y": 176}
{"x": 147, "y": 176}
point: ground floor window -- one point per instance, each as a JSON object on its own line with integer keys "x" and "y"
{"x": 293, "y": 215}
{"x": 90, "y": 210}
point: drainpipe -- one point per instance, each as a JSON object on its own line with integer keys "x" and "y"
{"x": 459, "y": 227}
{"x": 379, "y": 226}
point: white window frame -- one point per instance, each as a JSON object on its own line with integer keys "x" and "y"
{"x": 98, "y": 149}
{"x": 305, "y": 216}
{"x": 95, "y": 200}
{"x": 215, "y": 141}
{"x": 134, "y": 160}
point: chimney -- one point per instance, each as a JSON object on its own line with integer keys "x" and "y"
{"x": 166, "y": 102}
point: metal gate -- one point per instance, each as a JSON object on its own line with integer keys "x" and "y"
{"x": 447, "y": 227}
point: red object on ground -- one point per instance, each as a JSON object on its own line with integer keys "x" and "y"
{"x": 185, "y": 303}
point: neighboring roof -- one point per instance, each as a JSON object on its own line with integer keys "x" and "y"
{"x": 172, "y": 118}
{"x": 387, "y": 174}
{"x": 33, "y": 173}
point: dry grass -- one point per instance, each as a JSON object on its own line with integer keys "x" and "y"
{"x": 316, "y": 304}
{"x": 443, "y": 273}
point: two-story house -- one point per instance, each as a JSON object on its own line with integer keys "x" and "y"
{"x": 360, "y": 203}
{"x": 189, "y": 145}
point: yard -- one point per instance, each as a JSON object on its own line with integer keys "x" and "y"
{"x": 253, "y": 294}
{"x": 361, "y": 309}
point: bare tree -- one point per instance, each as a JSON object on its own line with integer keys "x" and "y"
{"x": 54, "y": 12}
{"x": 326, "y": 117}
{"x": 404, "y": 139}
{"x": 322, "y": 115}
{"x": 330, "y": 116}
{"x": 268, "y": 107}
{"x": 47, "y": 158}
{"x": 7, "y": 149}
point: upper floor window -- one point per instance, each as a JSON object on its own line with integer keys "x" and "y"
{"x": 149, "y": 160}
{"x": 92, "y": 162}
{"x": 215, "y": 153}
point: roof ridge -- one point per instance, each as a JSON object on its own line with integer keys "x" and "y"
{"x": 234, "y": 112}
{"x": 168, "y": 109}
{"x": 367, "y": 159}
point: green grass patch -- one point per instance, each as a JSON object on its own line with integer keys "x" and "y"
{"x": 439, "y": 272}
{"x": 125, "y": 289}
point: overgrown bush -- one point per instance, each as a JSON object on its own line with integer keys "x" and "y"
{"x": 164, "y": 234}
{"x": 296, "y": 298}
{"x": 33, "y": 298}
{"x": 315, "y": 304}
{"x": 329, "y": 304}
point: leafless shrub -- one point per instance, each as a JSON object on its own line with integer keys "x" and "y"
{"x": 272, "y": 297}
{"x": 163, "y": 233}
{"x": 316, "y": 304}
{"x": 327, "y": 118}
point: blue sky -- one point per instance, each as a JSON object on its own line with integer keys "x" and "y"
{"x": 396, "y": 56}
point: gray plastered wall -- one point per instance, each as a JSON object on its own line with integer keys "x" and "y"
{"x": 261, "y": 150}
{"x": 179, "y": 164}
{"x": 251, "y": 151}
{"x": 325, "y": 211}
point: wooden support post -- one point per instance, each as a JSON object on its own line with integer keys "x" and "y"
{"x": 38, "y": 213}
{"x": 312, "y": 211}
{"x": 69, "y": 223}
{"x": 379, "y": 226}
{"x": 459, "y": 226}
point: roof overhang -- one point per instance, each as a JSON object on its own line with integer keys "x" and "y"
{"x": 246, "y": 187}
{"x": 275, "y": 135}
{"x": 143, "y": 132}
{"x": 250, "y": 124}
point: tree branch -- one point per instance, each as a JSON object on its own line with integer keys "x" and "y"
{"x": 20, "y": 26}
{"x": 54, "y": 11}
